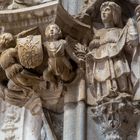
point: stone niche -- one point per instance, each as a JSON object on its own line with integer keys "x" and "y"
{"x": 67, "y": 77}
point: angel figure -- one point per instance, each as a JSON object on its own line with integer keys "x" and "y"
{"x": 59, "y": 53}
{"x": 108, "y": 55}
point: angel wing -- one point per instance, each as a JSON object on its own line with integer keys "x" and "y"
{"x": 135, "y": 68}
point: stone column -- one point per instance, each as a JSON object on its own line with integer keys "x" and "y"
{"x": 138, "y": 130}
{"x": 69, "y": 129}
{"x": 75, "y": 112}
{"x": 73, "y": 6}
{"x": 74, "y": 121}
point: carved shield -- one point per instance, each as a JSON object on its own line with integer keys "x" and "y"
{"x": 30, "y": 51}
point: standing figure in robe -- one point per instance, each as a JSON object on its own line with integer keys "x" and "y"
{"x": 108, "y": 67}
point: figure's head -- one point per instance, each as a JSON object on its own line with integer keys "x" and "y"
{"x": 111, "y": 12}
{"x": 6, "y": 41}
{"x": 53, "y": 32}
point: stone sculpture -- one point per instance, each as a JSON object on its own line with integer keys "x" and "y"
{"x": 24, "y": 61}
{"x": 18, "y": 84}
{"x": 70, "y": 76}
{"x": 111, "y": 71}
{"x": 59, "y": 65}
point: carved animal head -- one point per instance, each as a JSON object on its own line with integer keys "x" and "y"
{"x": 53, "y": 32}
{"x": 111, "y": 12}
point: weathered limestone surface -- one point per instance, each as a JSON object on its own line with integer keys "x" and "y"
{"x": 70, "y": 73}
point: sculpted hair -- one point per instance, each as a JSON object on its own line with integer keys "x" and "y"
{"x": 116, "y": 12}
{"x": 59, "y": 35}
{"x": 7, "y": 40}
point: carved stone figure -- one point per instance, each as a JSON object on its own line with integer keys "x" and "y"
{"x": 6, "y": 41}
{"x": 18, "y": 84}
{"x": 22, "y": 87}
{"x": 109, "y": 74}
{"x": 59, "y": 52}
{"x": 109, "y": 70}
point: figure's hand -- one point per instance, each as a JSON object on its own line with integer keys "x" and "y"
{"x": 89, "y": 57}
{"x": 130, "y": 21}
{"x": 81, "y": 72}
{"x": 13, "y": 70}
{"x": 82, "y": 63}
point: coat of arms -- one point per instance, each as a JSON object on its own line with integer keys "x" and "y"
{"x": 30, "y": 51}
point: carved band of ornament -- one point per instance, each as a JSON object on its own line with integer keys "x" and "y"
{"x": 46, "y": 7}
{"x": 28, "y": 23}
{"x": 9, "y": 127}
{"x": 27, "y": 17}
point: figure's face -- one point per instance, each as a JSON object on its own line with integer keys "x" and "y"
{"x": 106, "y": 14}
{"x": 5, "y": 39}
{"x": 54, "y": 31}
